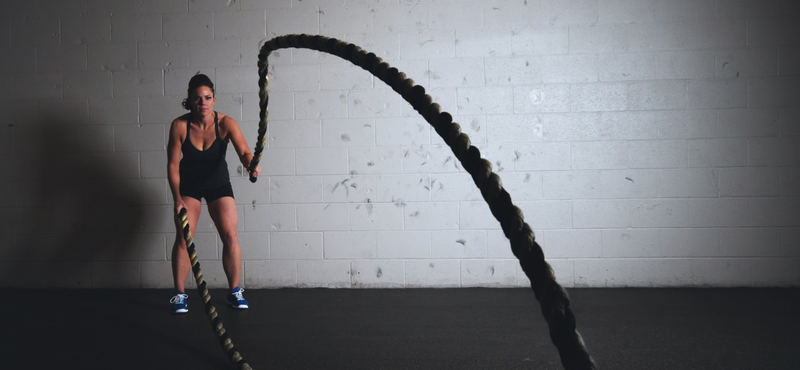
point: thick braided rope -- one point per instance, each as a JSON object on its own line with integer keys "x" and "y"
{"x": 553, "y": 299}
{"x": 224, "y": 340}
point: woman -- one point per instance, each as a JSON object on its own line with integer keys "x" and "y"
{"x": 202, "y": 137}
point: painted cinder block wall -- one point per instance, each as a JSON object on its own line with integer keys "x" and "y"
{"x": 649, "y": 142}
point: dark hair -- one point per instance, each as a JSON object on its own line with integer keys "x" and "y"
{"x": 196, "y": 81}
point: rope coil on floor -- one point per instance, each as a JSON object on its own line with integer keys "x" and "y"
{"x": 224, "y": 339}
{"x": 552, "y": 297}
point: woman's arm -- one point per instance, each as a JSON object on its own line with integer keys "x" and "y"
{"x": 176, "y": 133}
{"x": 234, "y": 133}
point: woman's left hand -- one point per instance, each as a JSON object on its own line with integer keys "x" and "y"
{"x": 255, "y": 172}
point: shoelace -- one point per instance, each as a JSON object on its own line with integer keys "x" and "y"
{"x": 238, "y": 294}
{"x": 178, "y": 298}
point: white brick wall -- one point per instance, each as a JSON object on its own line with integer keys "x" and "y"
{"x": 648, "y": 142}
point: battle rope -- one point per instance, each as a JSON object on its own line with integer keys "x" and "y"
{"x": 216, "y": 324}
{"x": 553, "y": 299}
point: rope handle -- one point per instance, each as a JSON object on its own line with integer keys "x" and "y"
{"x": 552, "y": 297}
{"x": 224, "y": 339}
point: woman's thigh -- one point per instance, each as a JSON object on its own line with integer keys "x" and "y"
{"x": 225, "y": 215}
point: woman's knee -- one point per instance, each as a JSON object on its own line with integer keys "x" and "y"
{"x": 229, "y": 237}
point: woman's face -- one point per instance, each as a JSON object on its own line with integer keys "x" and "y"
{"x": 202, "y": 100}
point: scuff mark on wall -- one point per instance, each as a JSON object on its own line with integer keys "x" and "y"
{"x": 344, "y": 185}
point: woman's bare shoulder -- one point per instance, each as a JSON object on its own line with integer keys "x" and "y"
{"x": 179, "y": 124}
{"x": 181, "y": 119}
{"x": 226, "y": 123}
{"x": 225, "y": 119}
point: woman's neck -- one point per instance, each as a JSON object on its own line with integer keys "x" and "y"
{"x": 201, "y": 120}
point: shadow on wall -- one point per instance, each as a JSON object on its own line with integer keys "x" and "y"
{"x": 78, "y": 208}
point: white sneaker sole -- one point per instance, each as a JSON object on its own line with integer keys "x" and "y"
{"x": 182, "y": 310}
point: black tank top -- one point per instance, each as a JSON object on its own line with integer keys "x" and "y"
{"x": 204, "y": 169}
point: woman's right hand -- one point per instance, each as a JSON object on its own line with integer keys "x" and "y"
{"x": 179, "y": 205}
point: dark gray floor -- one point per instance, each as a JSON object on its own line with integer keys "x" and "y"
{"x": 401, "y": 329}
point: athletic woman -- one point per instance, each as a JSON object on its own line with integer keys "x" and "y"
{"x": 196, "y": 169}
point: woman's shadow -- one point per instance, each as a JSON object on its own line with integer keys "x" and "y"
{"x": 84, "y": 218}
{"x": 80, "y": 206}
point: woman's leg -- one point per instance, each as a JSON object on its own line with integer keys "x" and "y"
{"x": 180, "y": 256}
{"x": 225, "y": 216}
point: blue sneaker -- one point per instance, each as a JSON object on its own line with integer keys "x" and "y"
{"x": 236, "y": 300}
{"x": 179, "y": 304}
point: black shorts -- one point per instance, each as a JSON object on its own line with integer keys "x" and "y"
{"x": 210, "y": 194}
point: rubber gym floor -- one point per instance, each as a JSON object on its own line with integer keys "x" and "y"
{"x": 471, "y": 328}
